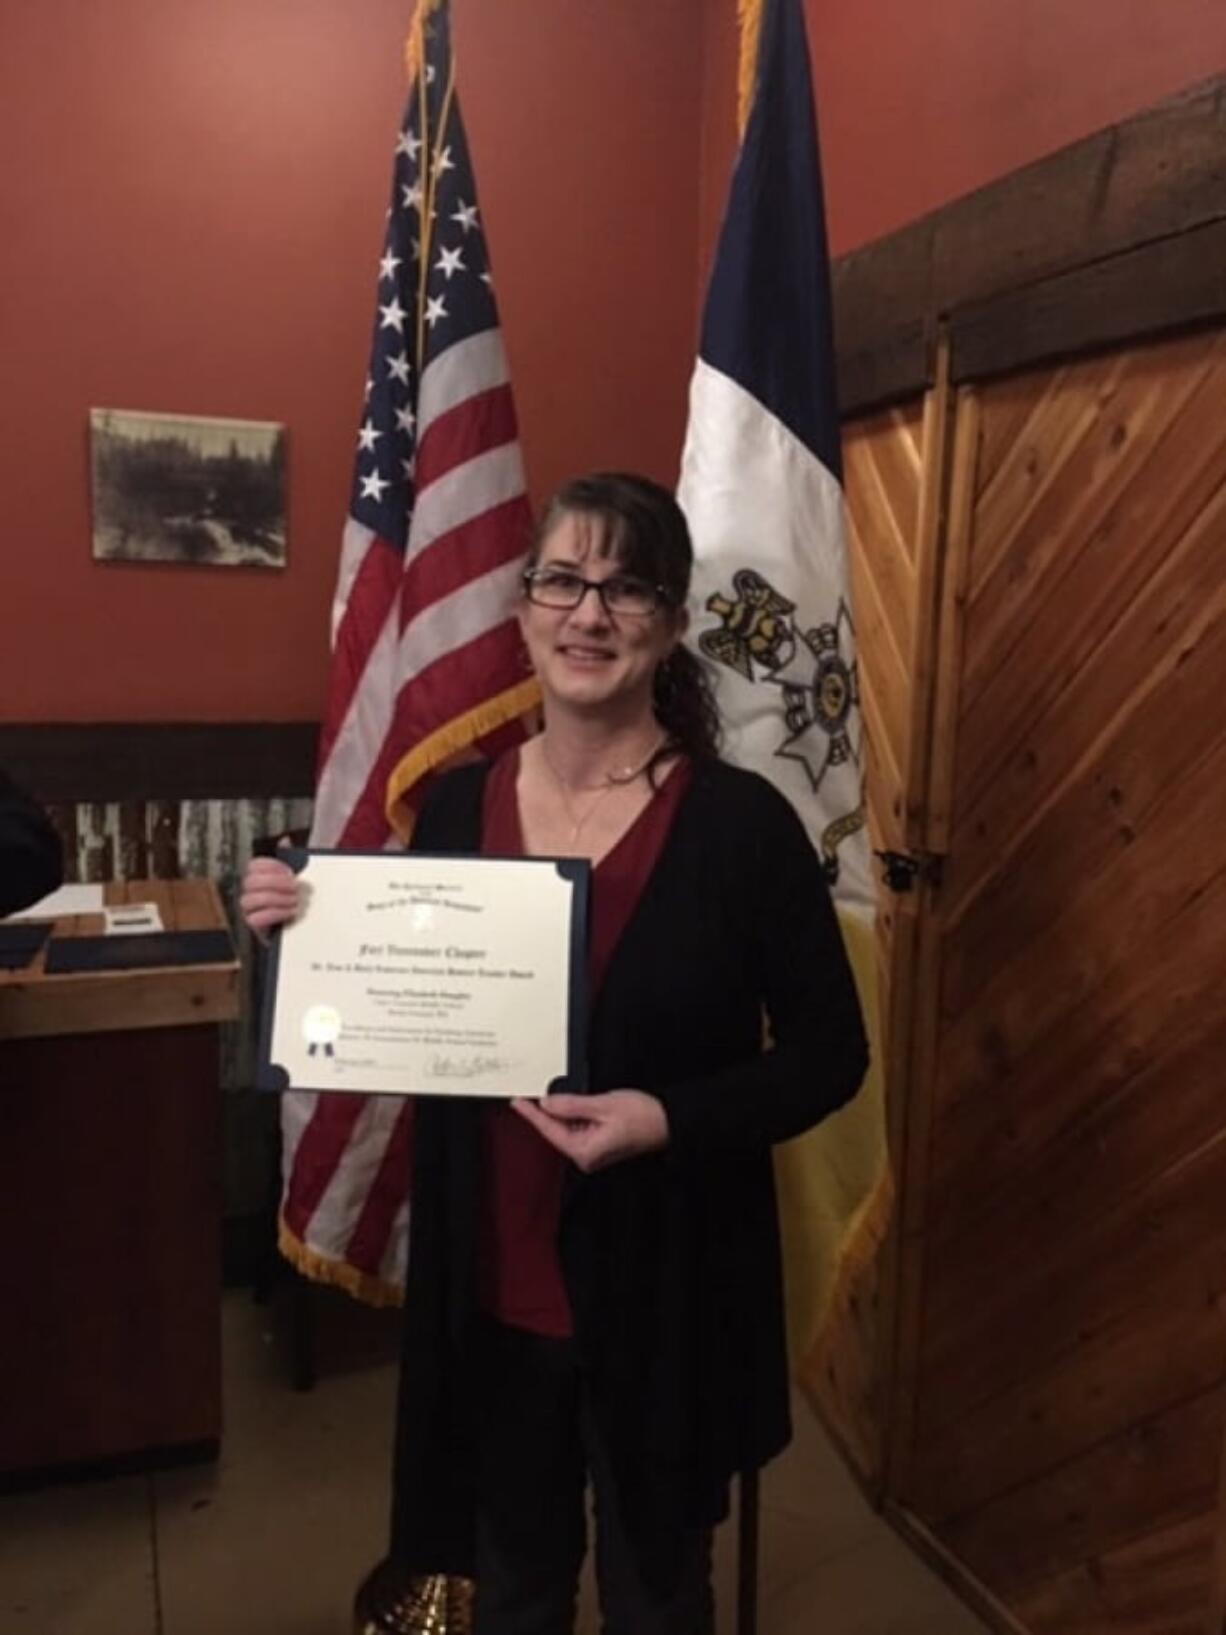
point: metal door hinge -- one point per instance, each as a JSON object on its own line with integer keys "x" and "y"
{"x": 900, "y": 870}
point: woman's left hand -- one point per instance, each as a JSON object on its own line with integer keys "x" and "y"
{"x": 596, "y": 1131}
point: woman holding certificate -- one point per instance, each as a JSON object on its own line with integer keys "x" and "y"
{"x": 594, "y": 1289}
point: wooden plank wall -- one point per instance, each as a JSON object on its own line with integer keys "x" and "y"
{"x": 1069, "y": 1345}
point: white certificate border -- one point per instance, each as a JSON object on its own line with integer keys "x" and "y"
{"x": 272, "y": 1077}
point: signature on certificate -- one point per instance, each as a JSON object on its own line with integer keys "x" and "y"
{"x": 466, "y": 1067}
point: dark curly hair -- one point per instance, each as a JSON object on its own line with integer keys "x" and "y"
{"x": 644, "y": 529}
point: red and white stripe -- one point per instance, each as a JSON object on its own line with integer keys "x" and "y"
{"x": 420, "y": 639}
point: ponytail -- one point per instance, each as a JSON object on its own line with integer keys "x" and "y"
{"x": 684, "y": 702}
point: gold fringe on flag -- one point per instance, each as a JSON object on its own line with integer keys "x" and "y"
{"x": 749, "y": 14}
{"x": 452, "y": 739}
{"x": 414, "y": 46}
{"x": 370, "y": 1290}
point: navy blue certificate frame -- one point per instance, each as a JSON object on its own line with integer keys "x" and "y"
{"x": 273, "y": 1077}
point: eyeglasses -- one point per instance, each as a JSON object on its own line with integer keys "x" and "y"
{"x": 621, "y": 594}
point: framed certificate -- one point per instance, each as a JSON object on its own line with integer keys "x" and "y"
{"x": 406, "y": 974}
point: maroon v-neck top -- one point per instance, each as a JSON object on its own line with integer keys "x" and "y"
{"x": 521, "y": 1275}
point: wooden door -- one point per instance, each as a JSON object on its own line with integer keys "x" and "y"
{"x": 893, "y": 465}
{"x": 1062, "y": 1363}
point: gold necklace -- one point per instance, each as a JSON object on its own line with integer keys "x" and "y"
{"x": 617, "y": 779}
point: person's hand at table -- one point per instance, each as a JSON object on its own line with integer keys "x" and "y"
{"x": 596, "y": 1131}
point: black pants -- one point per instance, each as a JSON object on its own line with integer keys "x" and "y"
{"x": 538, "y": 1452}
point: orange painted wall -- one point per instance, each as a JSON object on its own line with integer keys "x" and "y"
{"x": 921, "y": 101}
{"x": 191, "y": 202}
{"x": 191, "y": 206}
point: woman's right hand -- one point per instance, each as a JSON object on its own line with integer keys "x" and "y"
{"x": 268, "y": 896}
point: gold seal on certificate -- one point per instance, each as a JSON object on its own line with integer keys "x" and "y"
{"x": 413, "y": 975}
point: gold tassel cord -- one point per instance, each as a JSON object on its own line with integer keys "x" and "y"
{"x": 414, "y": 46}
{"x": 749, "y": 15}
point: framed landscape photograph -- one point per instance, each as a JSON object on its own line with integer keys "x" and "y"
{"x": 188, "y": 489}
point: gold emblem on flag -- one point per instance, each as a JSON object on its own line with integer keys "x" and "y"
{"x": 756, "y": 628}
{"x": 815, "y": 670}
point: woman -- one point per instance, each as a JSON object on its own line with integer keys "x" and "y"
{"x": 594, "y": 1288}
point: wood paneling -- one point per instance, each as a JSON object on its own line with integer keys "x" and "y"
{"x": 1063, "y": 1312}
{"x": 1119, "y": 458}
{"x": 1109, "y": 1376}
{"x": 1154, "y": 1585}
{"x": 1158, "y": 1473}
{"x": 111, "y": 1166}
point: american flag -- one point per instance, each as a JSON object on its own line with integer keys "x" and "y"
{"x": 426, "y": 657}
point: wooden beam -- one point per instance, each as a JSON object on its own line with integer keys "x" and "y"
{"x": 884, "y": 333}
{"x": 120, "y": 761}
{"x": 1155, "y": 175}
{"x": 1173, "y": 283}
{"x": 1155, "y": 183}
{"x": 895, "y": 364}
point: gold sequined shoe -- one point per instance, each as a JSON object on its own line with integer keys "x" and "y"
{"x": 391, "y": 1602}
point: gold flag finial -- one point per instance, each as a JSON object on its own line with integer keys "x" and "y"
{"x": 392, "y": 1601}
{"x": 415, "y": 44}
{"x": 749, "y": 14}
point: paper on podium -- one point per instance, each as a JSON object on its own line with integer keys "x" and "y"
{"x": 67, "y": 900}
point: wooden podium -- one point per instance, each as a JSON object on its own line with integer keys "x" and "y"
{"x": 110, "y": 1177}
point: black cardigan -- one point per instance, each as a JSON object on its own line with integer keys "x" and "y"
{"x": 671, "y": 1260}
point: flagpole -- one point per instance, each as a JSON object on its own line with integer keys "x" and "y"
{"x": 771, "y": 588}
{"x": 749, "y": 19}
{"x": 747, "y": 1555}
{"x": 393, "y": 1599}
